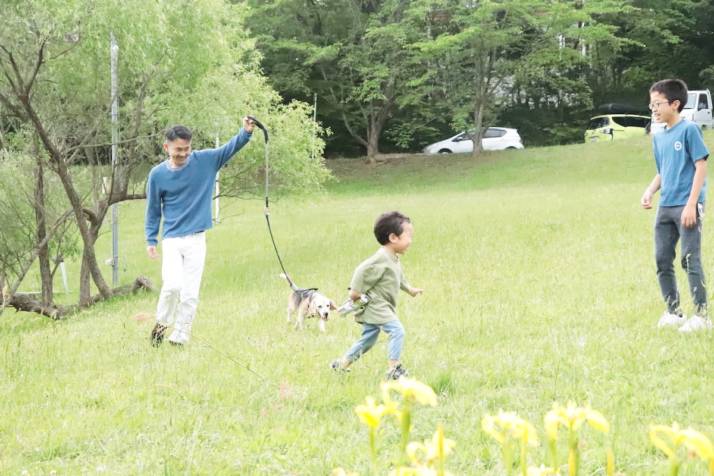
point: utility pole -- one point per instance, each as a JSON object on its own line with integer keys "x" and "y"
{"x": 217, "y": 193}
{"x": 115, "y": 145}
{"x": 314, "y": 120}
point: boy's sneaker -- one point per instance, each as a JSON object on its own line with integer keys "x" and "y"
{"x": 396, "y": 372}
{"x": 670, "y": 319}
{"x": 336, "y": 365}
{"x": 696, "y": 323}
{"x": 157, "y": 334}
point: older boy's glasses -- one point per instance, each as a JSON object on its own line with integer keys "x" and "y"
{"x": 656, "y": 105}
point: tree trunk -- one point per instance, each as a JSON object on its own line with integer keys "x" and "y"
{"x": 28, "y": 303}
{"x": 85, "y": 284}
{"x": 85, "y": 290}
{"x": 43, "y": 254}
{"x": 73, "y": 196}
{"x": 478, "y": 125}
{"x": 374, "y": 131}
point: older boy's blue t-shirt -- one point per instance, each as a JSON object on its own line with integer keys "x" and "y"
{"x": 676, "y": 149}
{"x": 183, "y": 196}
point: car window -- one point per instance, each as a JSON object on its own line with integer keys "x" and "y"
{"x": 598, "y": 122}
{"x": 460, "y": 137}
{"x": 703, "y": 102}
{"x": 621, "y": 121}
{"x": 492, "y": 132}
{"x": 640, "y": 121}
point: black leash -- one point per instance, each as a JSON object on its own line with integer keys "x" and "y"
{"x": 267, "y": 199}
{"x": 235, "y": 360}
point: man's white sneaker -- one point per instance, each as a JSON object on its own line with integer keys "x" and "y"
{"x": 696, "y": 323}
{"x": 671, "y": 320}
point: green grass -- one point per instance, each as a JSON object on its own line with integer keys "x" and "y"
{"x": 539, "y": 283}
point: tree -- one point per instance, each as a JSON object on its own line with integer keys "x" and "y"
{"x": 485, "y": 52}
{"x": 356, "y": 55}
{"x": 54, "y": 78}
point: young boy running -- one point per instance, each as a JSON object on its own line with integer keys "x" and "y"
{"x": 380, "y": 278}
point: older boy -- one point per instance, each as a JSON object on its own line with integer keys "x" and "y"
{"x": 380, "y": 277}
{"x": 180, "y": 190}
{"x": 680, "y": 156}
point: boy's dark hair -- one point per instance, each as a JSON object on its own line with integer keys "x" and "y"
{"x": 673, "y": 90}
{"x": 178, "y": 132}
{"x": 388, "y": 223}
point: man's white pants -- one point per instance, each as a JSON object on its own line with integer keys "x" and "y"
{"x": 182, "y": 264}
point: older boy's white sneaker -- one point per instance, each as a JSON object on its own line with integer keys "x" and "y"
{"x": 696, "y": 323}
{"x": 669, "y": 319}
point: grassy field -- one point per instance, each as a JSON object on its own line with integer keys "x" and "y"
{"x": 539, "y": 283}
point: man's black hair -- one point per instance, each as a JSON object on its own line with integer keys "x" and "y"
{"x": 673, "y": 90}
{"x": 178, "y": 132}
{"x": 388, "y": 223}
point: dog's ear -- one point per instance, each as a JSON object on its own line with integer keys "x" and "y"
{"x": 333, "y": 306}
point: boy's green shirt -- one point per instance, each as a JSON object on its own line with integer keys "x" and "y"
{"x": 380, "y": 277}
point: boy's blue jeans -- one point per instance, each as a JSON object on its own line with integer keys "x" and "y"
{"x": 668, "y": 231}
{"x": 370, "y": 332}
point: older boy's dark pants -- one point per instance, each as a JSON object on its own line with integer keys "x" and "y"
{"x": 668, "y": 230}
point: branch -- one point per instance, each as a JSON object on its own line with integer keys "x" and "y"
{"x": 15, "y": 87}
{"x": 28, "y": 303}
{"x": 38, "y": 65}
{"x": 36, "y": 251}
{"x": 18, "y": 88}
{"x": 8, "y": 104}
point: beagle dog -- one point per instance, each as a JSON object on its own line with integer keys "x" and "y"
{"x": 306, "y": 303}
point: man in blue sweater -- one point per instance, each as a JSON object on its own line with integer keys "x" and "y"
{"x": 180, "y": 189}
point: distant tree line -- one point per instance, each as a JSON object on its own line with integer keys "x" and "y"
{"x": 395, "y": 75}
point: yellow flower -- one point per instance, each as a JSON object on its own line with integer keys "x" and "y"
{"x": 666, "y": 439}
{"x": 341, "y": 472}
{"x": 572, "y": 417}
{"x": 596, "y": 420}
{"x": 541, "y": 471}
{"x": 507, "y": 425}
{"x": 698, "y": 443}
{"x": 411, "y": 390}
{"x": 370, "y": 413}
{"x": 431, "y": 451}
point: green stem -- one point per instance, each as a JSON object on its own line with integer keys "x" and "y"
{"x": 553, "y": 449}
{"x": 373, "y": 449}
{"x": 507, "y": 457}
{"x": 406, "y": 429}
{"x": 673, "y": 467}
{"x": 573, "y": 456}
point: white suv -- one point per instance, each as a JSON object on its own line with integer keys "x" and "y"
{"x": 495, "y": 138}
{"x": 698, "y": 109}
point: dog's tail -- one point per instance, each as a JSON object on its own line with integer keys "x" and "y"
{"x": 293, "y": 286}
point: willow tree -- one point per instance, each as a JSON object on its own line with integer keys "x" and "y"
{"x": 175, "y": 65}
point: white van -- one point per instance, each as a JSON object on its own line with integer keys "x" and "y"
{"x": 698, "y": 109}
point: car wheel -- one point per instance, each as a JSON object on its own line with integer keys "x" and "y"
{"x": 511, "y": 148}
{"x": 444, "y": 151}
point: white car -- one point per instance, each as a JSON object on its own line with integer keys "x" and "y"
{"x": 698, "y": 109}
{"x": 495, "y": 138}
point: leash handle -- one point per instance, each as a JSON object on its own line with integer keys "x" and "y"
{"x": 260, "y": 126}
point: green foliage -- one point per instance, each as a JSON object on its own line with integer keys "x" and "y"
{"x": 18, "y": 235}
{"x": 356, "y": 56}
{"x": 178, "y": 64}
{"x": 550, "y": 64}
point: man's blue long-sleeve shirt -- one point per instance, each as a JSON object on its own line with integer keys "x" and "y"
{"x": 183, "y": 196}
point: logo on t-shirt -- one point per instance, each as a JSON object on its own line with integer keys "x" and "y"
{"x": 677, "y": 146}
